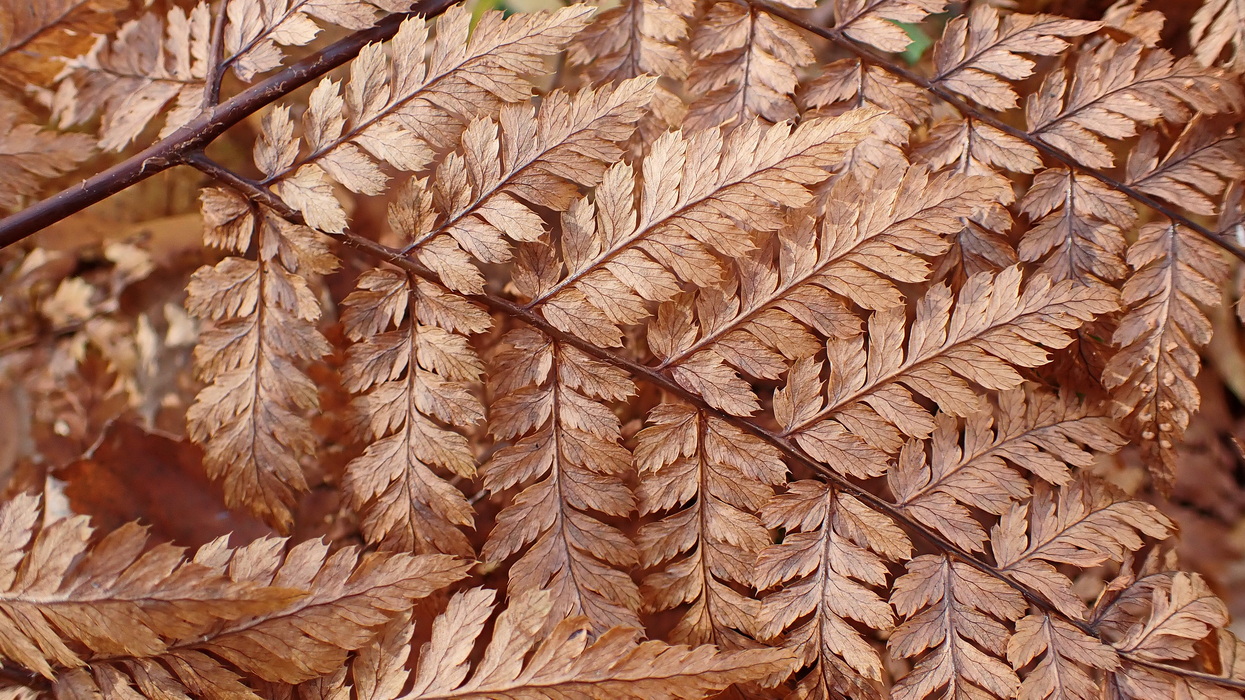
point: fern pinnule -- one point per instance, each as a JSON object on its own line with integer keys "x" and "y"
{"x": 831, "y": 564}
{"x": 252, "y": 417}
{"x": 708, "y": 480}
{"x": 1033, "y": 430}
{"x": 551, "y": 401}
{"x": 565, "y": 661}
{"x": 745, "y": 66}
{"x": 869, "y": 405}
{"x": 401, "y": 107}
{"x": 980, "y": 52}
{"x": 1159, "y": 337}
{"x": 131, "y": 78}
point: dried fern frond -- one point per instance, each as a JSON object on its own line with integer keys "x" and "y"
{"x": 639, "y": 37}
{"x": 970, "y": 147}
{"x": 1219, "y": 25}
{"x": 487, "y": 189}
{"x": 692, "y": 201}
{"x": 520, "y": 661}
{"x": 132, "y": 77}
{"x": 875, "y": 22}
{"x": 1078, "y": 229}
{"x": 1194, "y": 173}
{"x": 416, "y": 380}
{"x": 869, "y": 239}
{"x": 96, "y": 618}
{"x": 113, "y": 598}
{"x": 956, "y": 623}
{"x": 1160, "y": 335}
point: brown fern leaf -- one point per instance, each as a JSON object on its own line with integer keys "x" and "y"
{"x": 979, "y": 52}
{"x": 417, "y": 380}
{"x": 954, "y": 625}
{"x": 65, "y": 600}
{"x": 29, "y": 155}
{"x": 347, "y": 601}
{"x": 694, "y": 201}
{"x": 1152, "y": 376}
{"x": 870, "y": 238}
{"x": 709, "y": 480}
{"x": 1078, "y": 230}
{"x": 831, "y": 562}
{"x": 1219, "y": 25}
{"x": 253, "y": 417}
{"x": 1082, "y": 524}
{"x": 746, "y": 63}
{"x": 487, "y": 189}
{"x": 570, "y": 462}
{"x": 1204, "y": 160}
{"x": 1181, "y": 614}
{"x": 399, "y": 108}
{"x": 1114, "y": 88}
{"x": 256, "y": 29}
{"x": 36, "y": 37}
{"x": 1036, "y": 431}
{"x": 875, "y": 22}
{"x": 132, "y": 77}
{"x": 970, "y": 147}
{"x": 568, "y": 661}
{"x": 639, "y": 37}
{"x": 1065, "y": 657}
{"x": 868, "y": 406}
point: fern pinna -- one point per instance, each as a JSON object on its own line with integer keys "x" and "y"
{"x": 654, "y": 350}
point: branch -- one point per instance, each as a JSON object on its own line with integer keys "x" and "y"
{"x": 869, "y": 56}
{"x": 217, "y": 65}
{"x": 178, "y": 147}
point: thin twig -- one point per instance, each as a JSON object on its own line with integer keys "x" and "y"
{"x": 217, "y": 65}
{"x": 872, "y": 57}
{"x": 201, "y": 131}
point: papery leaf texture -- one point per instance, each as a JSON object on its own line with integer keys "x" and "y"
{"x": 752, "y": 349}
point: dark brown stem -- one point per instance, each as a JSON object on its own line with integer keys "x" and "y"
{"x": 195, "y": 136}
{"x": 872, "y": 57}
{"x": 217, "y": 65}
